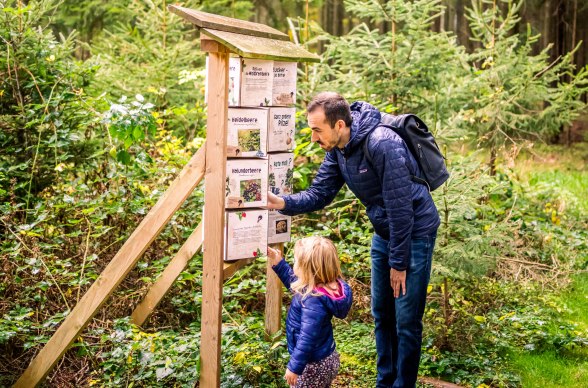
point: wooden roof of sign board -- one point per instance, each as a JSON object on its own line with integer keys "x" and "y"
{"x": 223, "y": 23}
{"x": 261, "y": 48}
{"x": 247, "y": 39}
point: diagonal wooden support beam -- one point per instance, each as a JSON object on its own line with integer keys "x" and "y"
{"x": 167, "y": 278}
{"x": 115, "y": 271}
{"x": 230, "y": 268}
{"x": 175, "y": 267}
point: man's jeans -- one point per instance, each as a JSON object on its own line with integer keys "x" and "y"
{"x": 399, "y": 326}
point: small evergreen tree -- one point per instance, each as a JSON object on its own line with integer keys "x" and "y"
{"x": 407, "y": 68}
{"x": 44, "y": 117}
{"x": 513, "y": 95}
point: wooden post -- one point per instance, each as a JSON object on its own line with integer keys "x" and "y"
{"x": 214, "y": 218}
{"x": 273, "y": 298}
{"x": 114, "y": 273}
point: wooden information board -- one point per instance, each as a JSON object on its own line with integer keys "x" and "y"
{"x": 220, "y": 37}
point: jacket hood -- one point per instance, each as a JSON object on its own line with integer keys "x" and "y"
{"x": 340, "y": 307}
{"x": 366, "y": 118}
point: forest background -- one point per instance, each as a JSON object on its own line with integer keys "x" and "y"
{"x": 101, "y": 105}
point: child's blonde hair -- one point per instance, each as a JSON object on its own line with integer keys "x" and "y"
{"x": 317, "y": 262}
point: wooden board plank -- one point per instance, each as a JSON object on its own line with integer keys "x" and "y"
{"x": 214, "y": 218}
{"x": 207, "y": 44}
{"x": 223, "y": 23}
{"x": 167, "y": 278}
{"x": 115, "y": 272}
{"x": 273, "y": 298}
{"x": 261, "y": 48}
{"x": 230, "y": 268}
{"x": 175, "y": 267}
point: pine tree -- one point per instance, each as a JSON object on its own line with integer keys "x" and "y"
{"x": 515, "y": 95}
{"x": 403, "y": 66}
{"x": 44, "y": 120}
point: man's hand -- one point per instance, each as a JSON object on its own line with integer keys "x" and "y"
{"x": 291, "y": 377}
{"x": 398, "y": 282}
{"x": 274, "y": 255}
{"x": 275, "y": 202}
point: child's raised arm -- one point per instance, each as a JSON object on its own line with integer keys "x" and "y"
{"x": 281, "y": 267}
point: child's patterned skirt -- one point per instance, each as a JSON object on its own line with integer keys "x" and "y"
{"x": 320, "y": 374}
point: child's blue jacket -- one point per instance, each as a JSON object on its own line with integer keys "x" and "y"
{"x": 309, "y": 330}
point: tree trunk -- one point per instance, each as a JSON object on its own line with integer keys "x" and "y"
{"x": 461, "y": 28}
{"x": 492, "y": 162}
{"x": 442, "y": 19}
{"x": 393, "y": 62}
{"x": 446, "y": 315}
{"x": 574, "y": 29}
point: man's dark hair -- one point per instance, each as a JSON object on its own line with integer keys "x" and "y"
{"x": 335, "y": 106}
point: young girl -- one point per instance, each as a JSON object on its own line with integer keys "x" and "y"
{"x": 319, "y": 293}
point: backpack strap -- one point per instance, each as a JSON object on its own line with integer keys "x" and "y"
{"x": 368, "y": 157}
{"x": 366, "y": 152}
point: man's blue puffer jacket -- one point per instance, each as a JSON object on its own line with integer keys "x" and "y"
{"x": 398, "y": 208}
{"x": 309, "y": 330}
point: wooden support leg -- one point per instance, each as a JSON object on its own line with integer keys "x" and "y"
{"x": 167, "y": 277}
{"x": 175, "y": 267}
{"x": 214, "y": 219}
{"x": 273, "y": 298}
{"x": 230, "y": 268}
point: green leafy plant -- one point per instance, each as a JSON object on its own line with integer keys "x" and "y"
{"x": 150, "y": 359}
{"x": 129, "y": 124}
{"x": 46, "y": 119}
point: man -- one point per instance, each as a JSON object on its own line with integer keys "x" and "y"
{"x": 401, "y": 211}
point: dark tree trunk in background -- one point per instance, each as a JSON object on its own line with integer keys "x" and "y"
{"x": 560, "y": 22}
{"x": 454, "y": 20}
{"x": 265, "y": 13}
{"x": 557, "y": 21}
{"x": 332, "y": 15}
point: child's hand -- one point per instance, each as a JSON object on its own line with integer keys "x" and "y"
{"x": 291, "y": 377}
{"x": 274, "y": 255}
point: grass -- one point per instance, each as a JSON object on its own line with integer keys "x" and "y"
{"x": 551, "y": 370}
{"x": 560, "y": 369}
{"x": 564, "y": 168}
{"x": 576, "y": 300}
{"x": 561, "y": 166}
{"x": 573, "y": 184}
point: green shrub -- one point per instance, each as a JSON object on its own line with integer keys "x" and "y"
{"x": 46, "y": 118}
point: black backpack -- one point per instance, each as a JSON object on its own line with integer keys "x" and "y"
{"x": 421, "y": 144}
